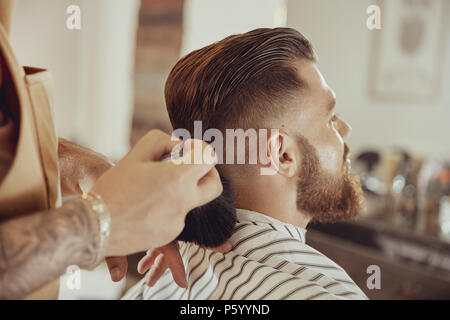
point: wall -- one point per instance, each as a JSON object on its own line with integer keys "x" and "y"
{"x": 92, "y": 68}
{"x": 206, "y": 21}
{"x": 40, "y": 38}
{"x": 337, "y": 30}
{"x": 157, "y": 50}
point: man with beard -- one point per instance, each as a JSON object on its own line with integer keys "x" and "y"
{"x": 266, "y": 78}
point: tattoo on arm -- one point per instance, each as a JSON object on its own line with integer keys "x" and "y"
{"x": 37, "y": 248}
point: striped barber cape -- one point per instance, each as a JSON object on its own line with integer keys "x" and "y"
{"x": 269, "y": 260}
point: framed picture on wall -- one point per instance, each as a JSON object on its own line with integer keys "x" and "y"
{"x": 407, "y": 53}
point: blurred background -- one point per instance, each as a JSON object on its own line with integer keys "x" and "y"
{"x": 392, "y": 86}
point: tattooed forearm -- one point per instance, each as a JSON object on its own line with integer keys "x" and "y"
{"x": 37, "y": 248}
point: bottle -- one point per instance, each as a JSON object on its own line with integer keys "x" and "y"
{"x": 436, "y": 203}
{"x": 405, "y": 192}
{"x": 444, "y": 204}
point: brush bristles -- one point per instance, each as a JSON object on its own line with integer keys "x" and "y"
{"x": 212, "y": 224}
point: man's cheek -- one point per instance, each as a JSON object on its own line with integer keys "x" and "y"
{"x": 330, "y": 158}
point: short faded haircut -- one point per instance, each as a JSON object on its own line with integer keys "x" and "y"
{"x": 238, "y": 82}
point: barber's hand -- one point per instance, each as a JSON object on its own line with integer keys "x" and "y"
{"x": 79, "y": 167}
{"x": 168, "y": 256}
{"x": 148, "y": 200}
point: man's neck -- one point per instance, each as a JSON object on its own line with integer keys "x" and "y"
{"x": 278, "y": 206}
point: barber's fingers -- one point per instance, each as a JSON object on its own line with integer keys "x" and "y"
{"x": 156, "y": 271}
{"x": 147, "y": 261}
{"x": 153, "y": 145}
{"x": 198, "y": 158}
{"x": 117, "y": 267}
{"x": 175, "y": 263}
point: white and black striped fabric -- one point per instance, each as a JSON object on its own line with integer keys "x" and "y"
{"x": 269, "y": 260}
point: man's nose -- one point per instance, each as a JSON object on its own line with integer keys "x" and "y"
{"x": 344, "y": 129}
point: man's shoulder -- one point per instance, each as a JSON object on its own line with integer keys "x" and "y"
{"x": 253, "y": 237}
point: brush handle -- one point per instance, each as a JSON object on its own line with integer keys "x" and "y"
{"x": 176, "y": 153}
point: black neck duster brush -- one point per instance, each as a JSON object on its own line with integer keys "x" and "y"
{"x": 212, "y": 224}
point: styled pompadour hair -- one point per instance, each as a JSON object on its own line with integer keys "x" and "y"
{"x": 237, "y": 82}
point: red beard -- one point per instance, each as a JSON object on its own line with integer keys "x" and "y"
{"x": 324, "y": 197}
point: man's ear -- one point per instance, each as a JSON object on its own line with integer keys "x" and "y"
{"x": 283, "y": 154}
